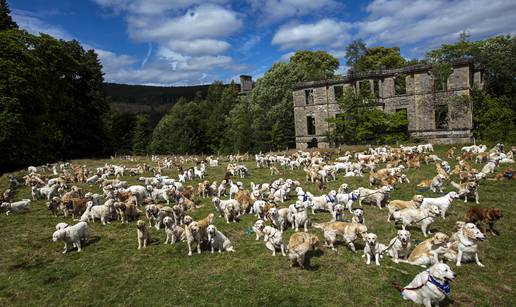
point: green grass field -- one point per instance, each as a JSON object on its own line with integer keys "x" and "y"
{"x": 111, "y": 271}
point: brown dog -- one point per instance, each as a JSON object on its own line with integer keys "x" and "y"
{"x": 483, "y": 217}
{"x": 299, "y": 244}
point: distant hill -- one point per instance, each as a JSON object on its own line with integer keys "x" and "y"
{"x": 153, "y": 100}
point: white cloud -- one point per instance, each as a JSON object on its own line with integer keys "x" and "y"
{"x": 286, "y": 57}
{"x": 199, "y": 46}
{"x": 205, "y": 21}
{"x": 250, "y": 43}
{"x": 434, "y": 22}
{"x": 112, "y": 62}
{"x": 326, "y": 32}
{"x": 276, "y": 10}
{"x": 30, "y": 22}
{"x": 150, "y": 7}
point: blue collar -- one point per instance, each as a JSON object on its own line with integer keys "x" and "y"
{"x": 329, "y": 198}
{"x": 353, "y": 197}
{"x": 305, "y": 198}
{"x": 445, "y": 288}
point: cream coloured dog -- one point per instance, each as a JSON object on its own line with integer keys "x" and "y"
{"x": 174, "y": 232}
{"x": 399, "y": 246}
{"x": 16, "y": 207}
{"x": 274, "y": 240}
{"x": 338, "y": 213}
{"x": 218, "y": 241}
{"x": 429, "y": 251}
{"x": 372, "y": 248}
{"x": 142, "y": 233}
{"x": 422, "y": 216}
{"x": 430, "y": 286}
{"x": 74, "y": 235}
{"x": 258, "y": 228}
{"x": 279, "y": 217}
{"x": 300, "y": 217}
{"x": 193, "y": 235}
{"x": 349, "y": 232}
{"x": 376, "y": 197}
{"x": 358, "y": 216}
{"x": 463, "y": 245}
{"x": 298, "y": 245}
{"x": 324, "y": 202}
{"x": 395, "y": 205}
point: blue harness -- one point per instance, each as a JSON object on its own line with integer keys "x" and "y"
{"x": 445, "y": 288}
{"x": 306, "y": 198}
{"x": 69, "y": 205}
{"x": 330, "y": 199}
{"x": 353, "y": 197}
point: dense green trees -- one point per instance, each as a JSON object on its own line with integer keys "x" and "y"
{"x": 363, "y": 122}
{"x": 52, "y": 105}
{"x": 6, "y": 22}
{"x": 225, "y": 122}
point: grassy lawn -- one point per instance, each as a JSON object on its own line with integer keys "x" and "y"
{"x": 111, "y": 271}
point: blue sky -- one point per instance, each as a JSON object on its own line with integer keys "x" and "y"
{"x": 184, "y": 42}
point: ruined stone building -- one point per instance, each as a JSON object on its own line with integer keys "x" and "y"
{"x": 431, "y": 114}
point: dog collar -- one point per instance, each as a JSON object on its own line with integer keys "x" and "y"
{"x": 353, "y": 197}
{"x": 444, "y": 288}
{"x": 330, "y": 199}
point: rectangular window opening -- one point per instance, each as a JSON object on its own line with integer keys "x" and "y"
{"x": 441, "y": 117}
{"x": 338, "y": 90}
{"x": 310, "y": 125}
{"x": 400, "y": 85}
{"x": 309, "y": 96}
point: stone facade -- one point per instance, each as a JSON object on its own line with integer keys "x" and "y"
{"x": 315, "y": 102}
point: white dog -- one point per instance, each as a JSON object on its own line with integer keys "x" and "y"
{"x": 75, "y": 235}
{"x": 274, "y": 240}
{"x": 443, "y": 203}
{"x": 347, "y": 199}
{"x": 324, "y": 202}
{"x": 218, "y": 241}
{"x": 399, "y": 246}
{"x": 372, "y": 248}
{"x": 422, "y": 216}
{"x": 358, "y": 216}
{"x": 300, "y": 217}
{"x": 464, "y": 245}
{"x": 258, "y": 228}
{"x": 16, "y": 207}
{"x": 430, "y": 286}
{"x": 338, "y": 213}
{"x": 173, "y": 231}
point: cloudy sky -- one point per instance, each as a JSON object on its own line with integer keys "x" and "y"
{"x": 183, "y": 42}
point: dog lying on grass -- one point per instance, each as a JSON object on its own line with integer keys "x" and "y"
{"x": 429, "y": 251}
{"x": 430, "y": 286}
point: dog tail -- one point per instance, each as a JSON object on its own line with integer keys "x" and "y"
{"x": 397, "y": 286}
{"x": 455, "y": 185}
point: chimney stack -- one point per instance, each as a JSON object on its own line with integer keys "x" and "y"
{"x": 246, "y": 84}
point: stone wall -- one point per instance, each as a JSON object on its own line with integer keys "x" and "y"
{"x": 420, "y": 101}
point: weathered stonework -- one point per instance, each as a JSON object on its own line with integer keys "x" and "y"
{"x": 420, "y": 101}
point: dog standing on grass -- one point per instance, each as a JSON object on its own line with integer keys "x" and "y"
{"x": 143, "y": 234}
